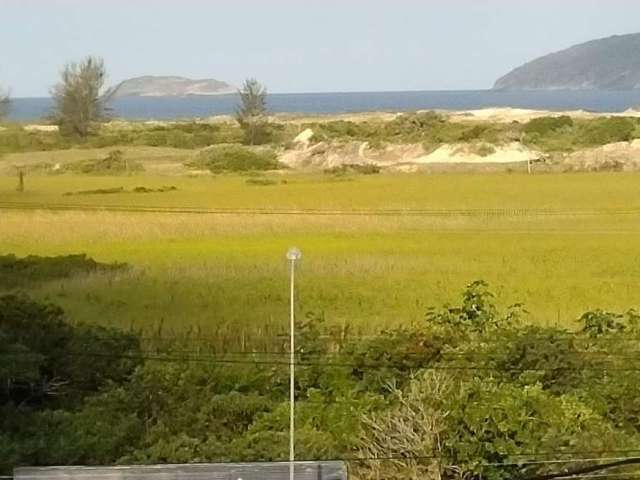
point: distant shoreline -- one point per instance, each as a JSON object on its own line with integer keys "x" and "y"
{"x": 204, "y": 106}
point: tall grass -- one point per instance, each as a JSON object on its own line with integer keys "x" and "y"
{"x": 225, "y": 275}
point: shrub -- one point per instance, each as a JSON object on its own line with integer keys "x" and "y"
{"x": 18, "y": 272}
{"x": 484, "y": 149}
{"x": 364, "y": 169}
{"x": 471, "y": 394}
{"x": 263, "y": 182}
{"x": 606, "y": 130}
{"x": 546, "y": 125}
{"x": 163, "y": 189}
{"x": 153, "y": 139}
{"x": 473, "y": 133}
{"x": 598, "y": 323}
{"x": 113, "y": 164}
{"x": 477, "y": 312}
{"x": 97, "y": 191}
{"x": 178, "y": 139}
{"x": 63, "y": 357}
{"x": 236, "y": 158}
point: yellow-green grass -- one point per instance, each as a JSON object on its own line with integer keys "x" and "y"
{"x": 390, "y": 191}
{"x": 226, "y": 274}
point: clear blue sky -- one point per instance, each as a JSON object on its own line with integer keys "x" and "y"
{"x": 299, "y": 45}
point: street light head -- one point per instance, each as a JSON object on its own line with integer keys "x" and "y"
{"x": 294, "y": 254}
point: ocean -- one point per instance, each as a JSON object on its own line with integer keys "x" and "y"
{"x": 168, "y": 108}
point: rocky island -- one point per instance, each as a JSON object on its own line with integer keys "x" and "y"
{"x": 168, "y": 86}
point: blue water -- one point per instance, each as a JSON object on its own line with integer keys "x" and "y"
{"x": 148, "y": 108}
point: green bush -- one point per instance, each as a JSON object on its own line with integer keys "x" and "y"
{"x": 471, "y": 385}
{"x": 26, "y": 271}
{"x": 364, "y": 169}
{"x": 113, "y": 164}
{"x": 546, "y": 125}
{"x": 96, "y": 191}
{"x": 484, "y": 149}
{"x": 236, "y": 158}
{"x": 606, "y": 130}
{"x": 16, "y": 139}
{"x": 63, "y": 357}
{"x": 261, "y": 182}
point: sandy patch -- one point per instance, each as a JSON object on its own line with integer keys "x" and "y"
{"x": 328, "y": 155}
{"x": 507, "y": 115}
{"x": 613, "y": 156}
{"x": 41, "y": 128}
{"x": 464, "y": 153}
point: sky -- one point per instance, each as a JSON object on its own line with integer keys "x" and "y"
{"x": 299, "y": 46}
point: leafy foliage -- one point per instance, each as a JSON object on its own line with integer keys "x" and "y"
{"x": 33, "y": 269}
{"x": 45, "y": 357}
{"x": 477, "y": 313}
{"x": 429, "y": 128}
{"x": 364, "y": 169}
{"x": 607, "y": 130}
{"x": 470, "y": 393}
{"x": 184, "y": 135}
{"x": 236, "y": 158}
{"x": 114, "y": 163}
{"x": 546, "y": 125}
{"x": 598, "y": 323}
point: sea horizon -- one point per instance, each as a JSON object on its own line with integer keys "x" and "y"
{"x": 203, "y": 106}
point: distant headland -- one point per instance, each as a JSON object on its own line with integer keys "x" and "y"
{"x": 611, "y": 63}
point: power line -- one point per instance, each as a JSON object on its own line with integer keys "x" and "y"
{"x": 358, "y": 366}
{"x": 439, "y": 354}
{"x": 563, "y": 334}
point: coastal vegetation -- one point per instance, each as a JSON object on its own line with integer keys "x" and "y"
{"x": 466, "y": 302}
{"x": 552, "y": 134}
{"x": 144, "y": 297}
{"x": 251, "y": 113}
{"x": 235, "y": 158}
{"x": 78, "y": 100}
{"x": 450, "y": 396}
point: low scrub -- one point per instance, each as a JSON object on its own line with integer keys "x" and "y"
{"x": 114, "y": 163}
{"x": 361, "y": 168}
{"x": 163, "y": 189}
{"x": 20, "y": 272}
{"x": 425, "y": 127}
{"x": 106, "y": 191}
{"x": 262, "y": 182}
{"x": 96, "y": 191}
{"x": 482, "y": 149}
{"x": 236, "y": 158}
{"x": 187, "y": 135}
{"x": 607, "y": 130}
{"x": 546, "y": 125}
{"x": 562, "y": 134}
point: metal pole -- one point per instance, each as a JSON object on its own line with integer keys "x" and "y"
{"x": 292, "y": 383}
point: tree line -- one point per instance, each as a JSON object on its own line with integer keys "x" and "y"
{"x": 80, "y": 102}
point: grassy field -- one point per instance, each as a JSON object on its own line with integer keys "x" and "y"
{"x": 562, "y": 244}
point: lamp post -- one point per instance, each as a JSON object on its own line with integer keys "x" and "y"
{"x": 293, "y": 255}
